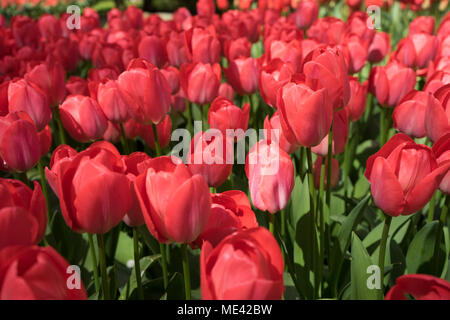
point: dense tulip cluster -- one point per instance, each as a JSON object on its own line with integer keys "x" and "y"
{"x": 246, "y": 140}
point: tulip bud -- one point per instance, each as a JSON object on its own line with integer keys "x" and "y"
{"x": 358, "y": 96}
{"x": 379, "y": 47}
{"x": 272, "y": 77}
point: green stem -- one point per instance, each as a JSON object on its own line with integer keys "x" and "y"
{"x": 310, "y": 181}
{"x": 330, "y": 166}
{"x": 442, "y": 223}
{"x": 321, "y": 223}
{"x": 444, "y": 211}
{"x": 162, "y": 251}
{"x": 382, "y": 252}
{"x": 102, "y": 256}
{"x": 347, "y": 162}
{"x": 94, "y": 262}
{"x": 283, "y": 223}
{"x": 272, "y": 223}
{"x": 62, "y": 135}
{"x": 123, "y": 140}
{"x": 384, "y": 125}
{"x": 312, "y": 219}
{"x": 44, "y": 188}
{"x": 189, "y": 116}
{"x": 187, "y": 276}
{"x": 431, "y": 207}
{"x": 155, "y": 136}
{"x": 137, "y": 266}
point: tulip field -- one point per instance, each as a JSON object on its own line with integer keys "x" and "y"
{"x": 225, "y": 150}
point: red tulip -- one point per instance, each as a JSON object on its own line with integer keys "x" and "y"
{"x": 23, "y": 213}
{"x": 419, "y": 286}
{"x": 328, "y": 30}
{"x": 404, "y": 175}
{"x": 175, "y": 203}
{"x": 305, "y": 114}
{"x": 172, "y": 76}
{"x": 270, "y": 174}
{"x": 272, "y": 77}
{"x": 317, "y": 167}
{"x": 409, "y": 114}
{"x": 49, "y": 27}
{"x": 224, "y": 115}
{"x": 356, "y": 51}
{"x": 306, "y": 14}
{"x": 176, "y": 50}
{"x": 326, "y": 68}
{"x": 246, "y": 265}
{"x": 226, "y": 91}
{"x": 202, "y": 46}
{"x": 242, "y": 74}
{"x": 230, "y": 211}
{"x": 274, "y": 123}
{"x": 134, "y": 16}
{"x": 27, "y": 97}
{"x": 113, "y": 101}
{"x": 417, "y": 50}
{"x": 436, "y": 81}
{"x": 65, "y": 51}
{"x": 422, "y": 24}
{"x": 391, "y": 83}
{"x": 237, "y": 48}
{"x": 153, "y": 49}
{"x": 61, "y": 154}
{"x": 94, "y": 192}
{"x": 37, "y": 273}
{"x": 437, "y": 117}
{"x": 83, "y": 118}
{"x": 340, "y": 135}
{"x": 200, "y": 82}
{"x": 150, "y": 91}
{"x": 211, "y": 156}
{"x": 20, "y": 147}
{"x": 134, "y": 217}
{"x": 358, "y": 95}
{"x": 379, "y": 47}
{"x": 163, "y": 129}
{"x": 287, "y": 52}
{"x": 50, "y": 79}
{"x": 441, "y": 150}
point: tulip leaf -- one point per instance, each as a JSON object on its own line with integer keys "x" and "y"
{"x": 398, "y": 222}
{"x": 300, "y": 199}
{"x": 447, "y": 252}
{"x": 124, "y": 248}
{"x": 421, "y": 249}
{"x": 360, "y": 263}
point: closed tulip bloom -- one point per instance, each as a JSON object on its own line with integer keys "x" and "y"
{"x": 340, "y": 135}
{"x": 230, "y": 211}
{"x": 153, "y": 49}
{"x": 317, "y": 167}
{"x": 242, "y": 74}
{"x": 237, "y": 48}
{"x": 202, "y": 45}
{"x": 390, "y": 83}
{"x": 61, "y": 154}
{"x": 172, "y": 76}
{"x": 275, "y": 131}
{"x": 4, "y": 98}
{"x": 23, "y": 213}
{"x": 404, "y": 175}
{"x": 356, "y": 51}
{"x": 358, "y": 96}
{"x": 37, "y": 273}
{"x": 422, "y": 24}
{"x": 176, "y": 50}
{"x": 134, "y": 16}
{"x": 175, "y": 203}
{"x": 441, "y": 150}
{"x": 437, "y": 117}
{"x": 288, "y": 52}
{"x": 200, "y": 82}
{"x": 270, "y": 174}
{"x": 409, "y": 114}
{"x": 226, "y": 91}
{"x": 306, "y": 14}
{"x": 379, "y": 47}
{"x": 305, "y": 114}
{"x": 94, "y": 192}
{"x": 436, "y": 81}
{"x": 83, "y": 118}
{"x": 209, "y": 156}
{"x": 420, "y": 287}
{"x": 134, "y": 217}
{"x": 149, "y": 90}
{"x": 27, "y": 97}
{"x": 163, "y": 129}
{"x": 50, "y": 78}
{"x": 49, "y": 27}
{"x": 20, "y": 148}
{"x": 272, "y": 77}
{"x": 113, "y": 102}
{"x": 223, "y": 115}
{"x": 206, "y": 8}
{"x": 326, "y": 68}
{"x": 417, "y": 50}
{"x": 246, "y": 265}
{"x": 327, "y": 30}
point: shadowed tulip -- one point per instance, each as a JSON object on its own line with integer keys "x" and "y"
{"x": 420, "y": 287}
{"x": 340, "y": 135}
